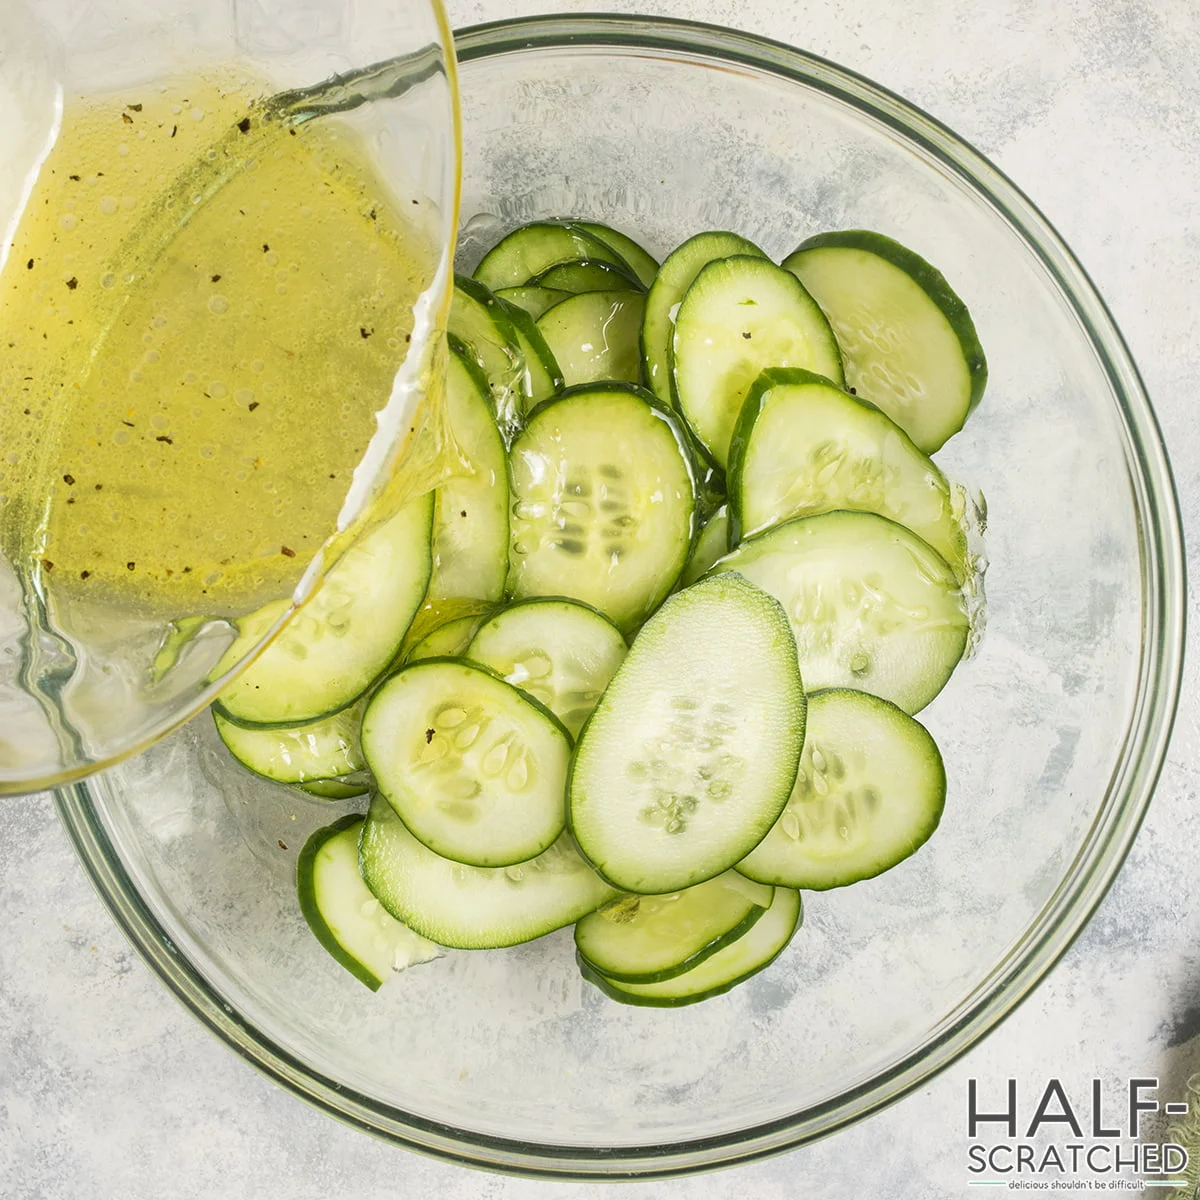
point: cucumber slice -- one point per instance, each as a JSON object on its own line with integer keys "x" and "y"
{"x": 756, "y": 949}
{"x": 872, "y": 606}
{"x": 674, "y": 278}
{"x": 336, "y": 789}
{"x": 740, "y": 316}
{"x": 474, "y": 908}
{"x": 908, "y": 341}
{"x": 560, "y": 652}
{"x": 446, "y": 641}
{"x": 603, "y": 495}
{"x": 588, "y": 275}
{"x": 542, "y": 376}
{"x": 472, "y": 766}
{"x": 643, "y": 939}
{"x": 333, "y": 649}
{"x": 320, "y": 750}
{"x": 486, "y": 336}
{"x": 432, "y": 616}
{"x": 594, "y": 336}
{"x": 534, "y": 248}
{"x": 712, "y": 544}
{"x": 534, "y": 300}
{"x": 803, "y": 446}
{"x": 345, "y": 918}
{"x": 869, "y": 792}
{"x": 470, "y": 515}
{"x": 643, "y": 265}
{"x": 692, "y": 751}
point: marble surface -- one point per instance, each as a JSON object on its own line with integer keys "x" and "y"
{"x": 107, "y": 1087}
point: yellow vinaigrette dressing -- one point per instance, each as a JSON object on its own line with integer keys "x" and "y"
{"x": 190, "y": 374}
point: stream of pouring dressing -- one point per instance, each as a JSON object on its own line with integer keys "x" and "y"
{"x": 217, "y": 330}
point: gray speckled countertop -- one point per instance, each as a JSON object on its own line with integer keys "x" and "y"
{"x": 108, "y": 1088}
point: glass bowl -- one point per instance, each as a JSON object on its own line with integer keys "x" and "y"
{"x": 1053, "y": 732}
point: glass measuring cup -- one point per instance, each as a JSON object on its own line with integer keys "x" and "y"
{"x": 222, "y": 363}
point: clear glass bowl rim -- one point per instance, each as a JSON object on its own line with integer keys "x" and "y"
{"x": 1105, "y": 846}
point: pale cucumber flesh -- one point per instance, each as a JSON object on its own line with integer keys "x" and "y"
{"x": 692, "y": 750}
{"x": 868, "y": 794}
{"x": 475, "y": 769}
{"x": 872, "y": 606}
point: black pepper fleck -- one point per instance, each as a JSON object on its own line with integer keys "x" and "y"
{"x": 244, "y": 124}
{"x": 746, "y": 334}
{"x": 72, "y": 283}
{"x": 69, "y": 480}
{"x": 129, "y": 423}
{"x": 854, "y": 391}
{"x": 162, "y": 437}
{"x": 174, "y": 130}
{"x": 84, "y": 574}
{"x": 47, "y": 564}
{"x": 134, "y": 107}
{"x": 365, "y": 332}
{"x": 428, "y": 736}
{"x": 216, "y": 279}
{"x": 407, "y": 337}
{"x": 73, "y": 178}
{"x": 29, "y": 265}
{"x": 266, "y": 248}
{"x": 130, "y": 566}
{"x": 127, "y": 118}
{"x": 99, "y": 487}
{"x": 253, "y": 405}
{"x": 462, "y": 512}
{"x": 280, "y": 844}
{"x": 287, "y": 551}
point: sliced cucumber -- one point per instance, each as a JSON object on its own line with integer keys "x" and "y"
{"x": 757, "y": 948}
{"x": 560, "y": 652}
{"x": 594, "y": 336}
{"x": 320, "y": 750}
{"x": 432, "y": 616}
{"x": 588, "y": 275}
{"x": 692, "y": 750}
{"x": 712, "y": 544}
{"x": 449, "y": 640}
{"x": 337, "y": 789}
{"x": 603, "y": 495}
{"x": 869, "y": 792}
{"x": 532, "y": 249}
{"x": 643, "y": 265}
{"x": 343, "y": 915}
{"x": 740, "y": 316}
{"x": 474, "y": 908}
{"x": 643, "y": 939}
{"x": 908, "y": 341}
{"x": 332, "y": 650}
{"x": 674, "y": 278}
{"x": 534, "y": 300}
{"x": 472, "y": 766}
{"x": 872, "y": 606}
{"x": 484, "y": 332}
{"x": 542, "y": 376}
{"x": 803, "y": 446}
{"x": 470, "y": 516}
